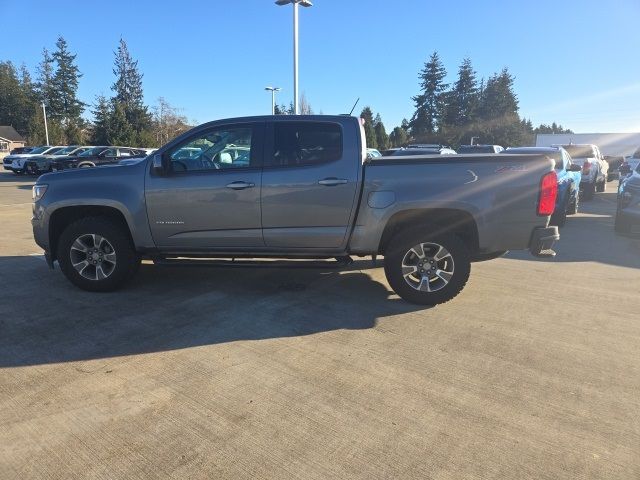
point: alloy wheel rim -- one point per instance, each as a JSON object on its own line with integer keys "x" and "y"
{"x": 427, "y": 267}
{"x": 93, "y": 256}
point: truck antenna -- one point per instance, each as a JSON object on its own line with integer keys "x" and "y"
{"x": 354, "y": 106}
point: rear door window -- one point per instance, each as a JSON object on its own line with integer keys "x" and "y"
{"x": 305, "y": 143}
{"x": 580, "y": 151}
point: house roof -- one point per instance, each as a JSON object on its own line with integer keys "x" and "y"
{"x": 10, "y": 133}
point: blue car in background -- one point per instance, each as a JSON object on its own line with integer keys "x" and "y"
{"x": 569, "y": 177}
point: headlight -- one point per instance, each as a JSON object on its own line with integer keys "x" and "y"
{"x": 38, "y": 191}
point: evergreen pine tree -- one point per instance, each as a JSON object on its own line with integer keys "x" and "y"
{"x": 465, "y": 94}
{"x": 499, "y": 99}
{"x": 129, "y": 97}
{"x": 369, "y": 132}
{"x": 428, "y": 102}
{"x": 120, "y": 131}
{"x": 68, "y": 109}
{"x": 17, "y": 97}
{"x": 46, "y": 93}
{"x": 101, "y": 121}
{"x": 382, "y": 139}
{"x": 398, "y": 137}
{"x": 460, "y": 107}
{"x": 45, "y": 86}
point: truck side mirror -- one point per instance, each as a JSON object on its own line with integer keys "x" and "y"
{"x": 625, "y": 169}
{"x": 158, "y": 165}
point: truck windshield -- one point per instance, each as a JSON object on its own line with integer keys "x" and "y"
{"x": 66, "y": 150}
{"x": 39, "y": 150}
{"x": 92, "y": 152}
{"x": 416, "y": 151}
{"x": 580, "y": 151}
{"x": 476, "y": 149}
{"x": 554, "y": 155}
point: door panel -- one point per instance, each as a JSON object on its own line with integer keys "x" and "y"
{"x": 200, "y": 211}
{"x": 307, "y": 201}
{"x": 210, "y": 197}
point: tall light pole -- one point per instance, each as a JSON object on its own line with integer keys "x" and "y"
{"x": 46, "y": 130}
{"x": 273, "y": 91}
{"x": 304, "y": 3}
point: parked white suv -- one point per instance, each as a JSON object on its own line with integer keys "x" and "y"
{"x": 594, "y": 167}
{"x": 15, "y": 163}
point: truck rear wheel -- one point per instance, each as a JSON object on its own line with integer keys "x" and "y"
{"x": 96, "y": 254}
{"x": 426, "y": 268}
{"x": 574, "y": 205}
{"x": 621, "y": 224}
{"x": 588, "y": 191}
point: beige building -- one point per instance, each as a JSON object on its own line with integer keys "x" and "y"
{"x": 9, "y": 139}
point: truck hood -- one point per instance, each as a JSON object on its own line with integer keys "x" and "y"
{"x": 22, "y": 155}
{"x": 580, "y": 160}
{"x": 89, "y": 174}
{"x": 632, "y": 179}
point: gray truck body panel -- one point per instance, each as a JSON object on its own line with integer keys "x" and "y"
{"x": 300, "y": 211}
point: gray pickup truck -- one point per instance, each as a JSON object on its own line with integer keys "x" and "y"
{"x": 296, "y": 187}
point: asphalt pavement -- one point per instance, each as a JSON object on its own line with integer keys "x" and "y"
{"x": 533, "y": 372}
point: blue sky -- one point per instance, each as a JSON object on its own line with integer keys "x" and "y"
{"x": 575, "y": 62}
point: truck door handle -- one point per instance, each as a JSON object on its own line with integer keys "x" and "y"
{"x": 332, "y": 182}
{"x": 240, "y": 185}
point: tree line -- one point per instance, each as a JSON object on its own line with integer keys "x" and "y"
{"x": 448, "y": 114}
{"x": 122, "y": 119}
{"x": 453, "y": 114}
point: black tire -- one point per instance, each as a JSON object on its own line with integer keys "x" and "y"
{"x": 621, "y": 224}
{"x": 574, "y": 205}
{"x": 400, "y": 246}
{"x": 560, "y": 218}
{"x": 127, "y": 260}
{"x": 601, "y": 187}
{"x": 589, "y": 191}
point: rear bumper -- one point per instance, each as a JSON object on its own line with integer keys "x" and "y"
{"x": 542, "y": 240}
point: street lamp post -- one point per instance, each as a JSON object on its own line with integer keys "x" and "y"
{"x": 304, "y": 3}
{"x": 46, "y": 130}
{"x": 273, "y": 91}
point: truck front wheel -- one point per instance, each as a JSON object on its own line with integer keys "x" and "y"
{"x": 96, "y": 254}
{"x": 588, "y": 191}
{"x": 425, "y": 268}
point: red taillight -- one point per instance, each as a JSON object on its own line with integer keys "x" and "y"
{"x": 586, "y": 167}
{"x": 548, "y": 194}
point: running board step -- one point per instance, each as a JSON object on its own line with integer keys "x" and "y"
{"x": 339, "y": 262}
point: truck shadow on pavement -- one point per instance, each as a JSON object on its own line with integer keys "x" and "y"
{"x": 590, "y": 237}
{"x": 44, "y": 319}
{"x": 8, "y": 177}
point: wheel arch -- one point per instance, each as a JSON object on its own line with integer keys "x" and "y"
{"x": 62, "y": 217}
{"x": 446, "y": 220}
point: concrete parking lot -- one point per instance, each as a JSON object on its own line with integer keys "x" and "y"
{"x": 532, "y": 372}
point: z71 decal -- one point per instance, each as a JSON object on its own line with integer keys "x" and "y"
{"x": 520, "y": 167}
